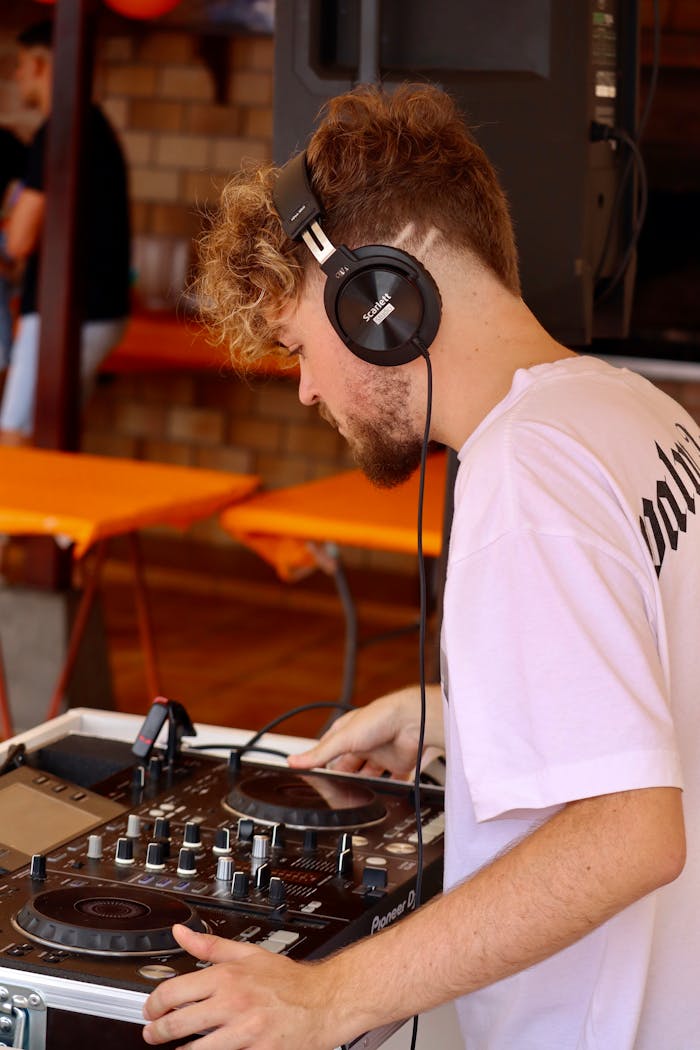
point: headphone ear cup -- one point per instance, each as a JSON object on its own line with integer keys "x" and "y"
{"x": 385, "y": 306}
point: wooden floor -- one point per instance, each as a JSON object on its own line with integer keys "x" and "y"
{"x": 238, "y": 647}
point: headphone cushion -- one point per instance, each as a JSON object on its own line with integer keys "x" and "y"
{"x": 385, "y": 306}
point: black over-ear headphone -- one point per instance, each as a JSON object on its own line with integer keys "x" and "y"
{"x": 381, "y": 301}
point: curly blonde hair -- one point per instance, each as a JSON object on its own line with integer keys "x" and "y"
{"x": 380, "y": 163}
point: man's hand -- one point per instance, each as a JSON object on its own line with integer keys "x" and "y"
{"x": 378, "y": 738}
{"x": 248, "y": 999}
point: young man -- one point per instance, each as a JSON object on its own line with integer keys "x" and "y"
{"x": 569, "y": 645}
{"x": 103, "y": 252}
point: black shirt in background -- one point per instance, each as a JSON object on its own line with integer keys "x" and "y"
{"x": 103, "y": 218}
{"x": 13, "y": 159}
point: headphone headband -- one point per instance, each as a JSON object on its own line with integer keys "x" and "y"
{"x": 294, "y": 199}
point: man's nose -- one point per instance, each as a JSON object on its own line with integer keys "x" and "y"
{"x": 307, "y": 394}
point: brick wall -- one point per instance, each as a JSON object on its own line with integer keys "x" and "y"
{"x": 184, "y": 131}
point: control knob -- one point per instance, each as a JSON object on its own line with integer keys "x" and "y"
{"x": 37, "y": 867}
{"x": 155, "y": 856}
{"x": 262, "y": 876}
{"x": 278, "y": 836}
{"x": 192, "y": 835}
{"x": 133, "y": 825}
{"x": 277, "y": 891}
{"x": 161, "y": 828}
{"x": 124, "y": 853}
{"x": 343, "y": 864}
{"x": 261, "y": 847}
{"x": 343, "y": 857}
{"x": 245, "y": 829}
{"x": 222, "y": 841}
{"x": 224, "y": 869}
{"x": 239, "y": 885}
{"x": 94, "y": 850}
{"x": 185, "y": 862}
{"x": 374, "y": 880}
{"x": 344, "y": 843}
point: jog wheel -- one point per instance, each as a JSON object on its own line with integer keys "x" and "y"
{"x": 106, "y": 921}
{"x": 309, "y": 800}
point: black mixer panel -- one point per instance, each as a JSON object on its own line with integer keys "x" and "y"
{"x": 298, "y": 863}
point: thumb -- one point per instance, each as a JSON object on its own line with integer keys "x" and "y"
{"x": 207, "y": 947}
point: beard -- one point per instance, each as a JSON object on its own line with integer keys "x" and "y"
{"x": 387, "y": 453}
{"x": 385, "y": 460}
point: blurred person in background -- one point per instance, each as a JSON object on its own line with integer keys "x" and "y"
{"x": 103, "y": 250}
{"x": 13, "y": 158}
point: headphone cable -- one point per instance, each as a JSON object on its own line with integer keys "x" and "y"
{"x": 421, "y": 644}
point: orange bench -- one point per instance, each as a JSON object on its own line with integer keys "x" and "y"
{"x": 300, "y": 528}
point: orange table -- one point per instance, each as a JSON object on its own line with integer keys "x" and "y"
{"x": 85, "y": 500}
{"x": 300, "y": 528}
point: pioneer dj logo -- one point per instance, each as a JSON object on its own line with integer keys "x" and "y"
{"x": 380, "y": 922}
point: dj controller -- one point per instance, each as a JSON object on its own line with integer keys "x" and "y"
{"x": 105, "y": 852}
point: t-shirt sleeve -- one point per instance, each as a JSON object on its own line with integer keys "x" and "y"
{"x": 553, "y": 675}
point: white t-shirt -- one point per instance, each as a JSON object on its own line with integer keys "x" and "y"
{"x": 571, "y": 668}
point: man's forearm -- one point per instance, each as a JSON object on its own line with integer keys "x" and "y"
{"x": 24, "y": 224}
{"x": 590, "y": 861}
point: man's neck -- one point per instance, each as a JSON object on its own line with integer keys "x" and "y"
{"x": 480, "y": 349}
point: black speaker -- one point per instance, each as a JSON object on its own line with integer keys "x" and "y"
{"x": 381, "y": 301}
{"x": 530, "y": 77}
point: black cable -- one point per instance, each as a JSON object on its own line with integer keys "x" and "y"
{"x": 612, "y": 224}
{"x": 619, "y": 134}
{"x": 350, "y": 662}
{"x": 421, "y": 646}
{"x": 241, "y": 749}
{"x": 250, "y": 745}
{"x": 290, "y": 714}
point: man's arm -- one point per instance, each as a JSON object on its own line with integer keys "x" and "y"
{"x": 591, "y": 860}
{"x": 24, "y": 224}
